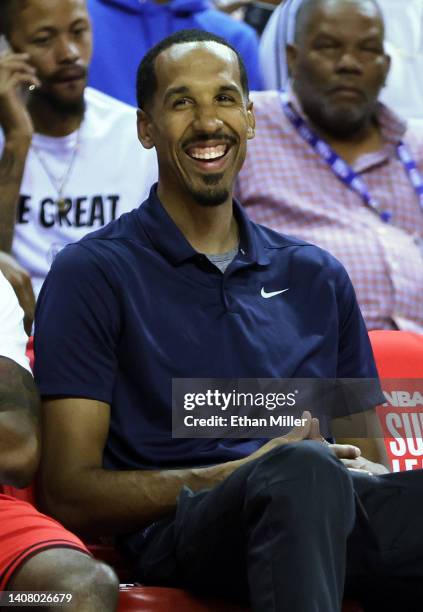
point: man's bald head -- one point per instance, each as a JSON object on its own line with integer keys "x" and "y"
{"x": 338, "y": 64}
{"x": 310, "y": 8}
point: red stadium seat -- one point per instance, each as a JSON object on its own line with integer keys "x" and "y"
{"x": 399, "y": 358}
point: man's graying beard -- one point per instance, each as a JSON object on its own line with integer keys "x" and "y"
{"x": 339, "y": 124}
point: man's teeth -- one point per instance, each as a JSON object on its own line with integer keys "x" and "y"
{"x": 208, "y": 152}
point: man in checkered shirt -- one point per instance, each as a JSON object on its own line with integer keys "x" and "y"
{"x": 338, "y": 67}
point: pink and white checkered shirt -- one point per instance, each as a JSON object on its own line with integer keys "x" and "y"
{"x": 290, "y": 188}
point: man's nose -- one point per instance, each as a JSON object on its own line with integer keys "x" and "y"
{"x": 349, "y": 62}
{"x": 206, "y": 120}
{"x": 66, "y": 49}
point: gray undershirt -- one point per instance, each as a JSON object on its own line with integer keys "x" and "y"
{"x": 222, "y": 260}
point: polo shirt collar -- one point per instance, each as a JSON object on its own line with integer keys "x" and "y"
{"x": 168, "y": 239}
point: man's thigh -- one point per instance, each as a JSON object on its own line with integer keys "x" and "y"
{"x": 385, "y": 560}
{"x": 203, "y": 546}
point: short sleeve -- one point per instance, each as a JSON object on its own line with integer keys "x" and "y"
{"x": 357, "y": 373}
{"x": 13, "y": 339}
{"x": 355, "y": 355}
{"x": 77, "y": 327}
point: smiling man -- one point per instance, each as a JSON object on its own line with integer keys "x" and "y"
{"x": 188, "y": 287}
{"x": 69, "y": 153}
{"x": 333, "y": 165}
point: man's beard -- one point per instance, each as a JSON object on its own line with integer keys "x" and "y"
{"x": 342, "y": 123}
{"x": 212, "y": 195}
{"x": 59, "y": 105}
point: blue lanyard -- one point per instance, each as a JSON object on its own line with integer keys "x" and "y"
{"x": 343, "y": 170}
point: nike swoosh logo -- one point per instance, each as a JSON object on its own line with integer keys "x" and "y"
{"x": 271, "y": 294}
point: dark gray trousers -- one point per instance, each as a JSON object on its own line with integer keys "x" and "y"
{"x": 288, "y": 531}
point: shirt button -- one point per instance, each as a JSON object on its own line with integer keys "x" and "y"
{"x": 381, "y": 230}
{"x": 242, "y": 251}
{"x": 395, "y": 266}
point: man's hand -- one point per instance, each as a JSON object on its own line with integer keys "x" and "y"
{"x": 297, "y": 433}
{"x": 21, "y": 283}
{"x": 364, "y": 465}
{"x": 15, "y": 74}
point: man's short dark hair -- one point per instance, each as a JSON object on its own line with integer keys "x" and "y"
{"x": 146, "y": 75}
{"x": 8, "y": 9}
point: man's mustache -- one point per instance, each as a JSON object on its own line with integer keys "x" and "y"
{"x": 216, "y": 138}
{"x": 68, "y": 73}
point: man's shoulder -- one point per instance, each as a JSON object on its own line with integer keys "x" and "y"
{"x": 102, "y": 246}
{"x": 104, "y": 103}
{"x": 113, "y": 124}
{"x": 106, "y": 115}
{"x": 265, "y": 101}
{"x": 268, "y": 109}
{"x": 414, "y": 133}
{"x": 304, "y": 252}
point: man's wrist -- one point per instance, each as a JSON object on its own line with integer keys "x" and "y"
{"x": 18, "y": 142}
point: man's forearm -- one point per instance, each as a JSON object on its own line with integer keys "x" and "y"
{"x": 19, "y": 424}
{"x": 106, "y": 501}
{"x": 12, "y": 165}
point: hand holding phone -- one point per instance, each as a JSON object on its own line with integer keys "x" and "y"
{"x": 17, "y": 76}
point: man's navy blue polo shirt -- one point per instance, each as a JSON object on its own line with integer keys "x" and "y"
{"x": 133, "y": 305}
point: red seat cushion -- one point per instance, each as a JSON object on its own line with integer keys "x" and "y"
{"x": 155, "y": 599}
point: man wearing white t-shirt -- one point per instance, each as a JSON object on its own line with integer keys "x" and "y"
{"x": 71, "y": 161}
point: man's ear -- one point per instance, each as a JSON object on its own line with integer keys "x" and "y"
{"x": 251, "y": 121}
{"x": 144, "y": 128}
{"x": 291, "y": 59}
{"x": 387, "y": 67}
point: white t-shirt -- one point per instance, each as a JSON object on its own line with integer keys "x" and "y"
{"x": 111, "y": 174}
{"x": 13, "y": 339}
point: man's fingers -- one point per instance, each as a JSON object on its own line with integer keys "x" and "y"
{"x": 301, "y": 432}
{"x": 315, "y": 430}
{"x": 16, "y": 63}
{"x": 345, "y": 451}
{"x": 21, "y": 79}
{"x": 360, "y": 471}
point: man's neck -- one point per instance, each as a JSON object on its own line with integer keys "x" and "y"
{"x": 50, "y": 121}
{"x": 367, "y": 140}
{"x": 208, "y": 229}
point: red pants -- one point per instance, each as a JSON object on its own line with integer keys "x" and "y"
{"x": 24, "y": 532}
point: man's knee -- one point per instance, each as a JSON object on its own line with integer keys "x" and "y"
{"x": 300, "y": 459}
{"x": 92, "y": 584}
{"x": 93, "y": 581}
{"x": 307, "y": 472}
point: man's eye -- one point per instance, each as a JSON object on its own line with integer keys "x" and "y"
{"x": 181, "y": 103}
{"x": 374, "y": 50}
{"x": 79, "y": 31}
{"x": 224, "y": 98}
{"x": 326, "y": 45}
{"x": 41, "y": 41}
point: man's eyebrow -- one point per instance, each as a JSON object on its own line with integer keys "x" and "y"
{"x": 51, "y": 28}
{"x": 232, "y": 88}
{"x": 173, "y": 91}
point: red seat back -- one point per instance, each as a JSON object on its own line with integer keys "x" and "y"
{"x": 399, "y": 359}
